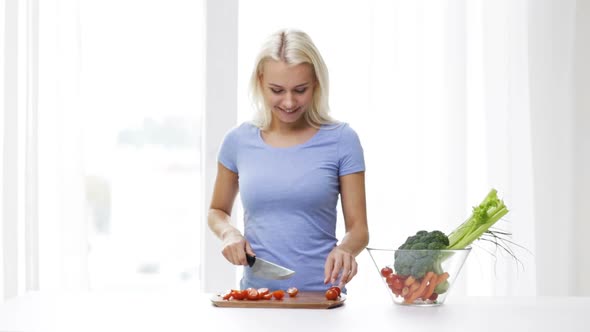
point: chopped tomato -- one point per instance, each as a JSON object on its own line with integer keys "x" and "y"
{"x": 278, "y": 294}
{"x": 292, "y": 291}
{"x": 263, "y": 291}
{"x": 227, "y": 295}
{"x": 237, "y": 294}
{"x": 252, "y": 294}
{"x": 266, "y": 296}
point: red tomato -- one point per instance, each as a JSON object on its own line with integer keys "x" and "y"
{"x": 226, "y": 295}
{"x": 252, "y": 294}
{"x": 278, "y": 294}
{"x": 244, "y": 293}
{"x": 267, "y": 296}
{"x": 238, "y": 294}
{"x": 262, "y": 291}
{"x": 397, "y": 284}
{"x": 391, "y": 278}
{"x": 292, "y": 291}
{"x": 337, "y": 289}
{"x": 396, "y": 291}
{"x": 331, "y": 294}
{"x": 386, "y": 271}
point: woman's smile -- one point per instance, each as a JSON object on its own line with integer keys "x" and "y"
{"x": 289, "y": 111}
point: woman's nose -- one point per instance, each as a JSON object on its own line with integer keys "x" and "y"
{"x": 289, "y": 101}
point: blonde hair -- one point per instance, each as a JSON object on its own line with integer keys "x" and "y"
{"x": 293, "y": 47}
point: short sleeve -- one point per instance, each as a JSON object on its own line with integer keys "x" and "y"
{"x": 350, "y": 152}
{"x": 227, "y": 155}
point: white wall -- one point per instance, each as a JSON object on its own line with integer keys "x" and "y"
{"x": 220, "y": 115}
{"x": 582, "y": 146}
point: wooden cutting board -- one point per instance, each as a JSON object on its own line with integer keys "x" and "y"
{"x": 303, "y": 300}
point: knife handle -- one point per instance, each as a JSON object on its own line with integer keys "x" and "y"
{"x": 251, "y": 259}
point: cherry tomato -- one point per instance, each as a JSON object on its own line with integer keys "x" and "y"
{"x": 397, "y": 284}
{"x": 391, "y": 278}
{"x": 227, "y": 295}
{"x": 337, "y": 289}
{"x": 396, "y": 291}
{"x": 262, "y": 291}
{"x": 386, "y": 271}
{"x": 331, "y": 294}
{"x": 252, "y": 294}
{"x": 237, "y": 294}
{"x": 245, "y": 293}
{"x": 292, "y": 291}
{"x": 278, "y": 294}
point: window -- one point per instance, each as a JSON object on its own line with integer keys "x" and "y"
{"x": 142, "y": 96}
{"x": 120, "y": 168}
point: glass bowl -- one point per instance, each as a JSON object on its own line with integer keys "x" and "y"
{"x": 418, "y": 277}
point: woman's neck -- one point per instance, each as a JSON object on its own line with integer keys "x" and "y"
{"x": 289, "y": 128}
{"x": 286, "y": 135}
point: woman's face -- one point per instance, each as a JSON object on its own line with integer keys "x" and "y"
{"x": 288, "y": 90}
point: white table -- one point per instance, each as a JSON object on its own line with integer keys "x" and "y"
{"x": 192, "y": 311}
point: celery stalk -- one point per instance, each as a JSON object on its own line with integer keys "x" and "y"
{"x": 484, "y": 216}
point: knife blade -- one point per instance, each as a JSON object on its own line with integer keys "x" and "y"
{"x": 268, "y": 270}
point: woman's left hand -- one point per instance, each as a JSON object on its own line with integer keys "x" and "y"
{"x": 339, "y": 263}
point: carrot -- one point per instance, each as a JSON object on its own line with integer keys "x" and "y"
{"x": 433, "y": 283}
{"x": 410, "y": 280}
{"x": 430, "y": 289}
{"x": 418, "y": 292}
{"x": 405, "y": 291}
{"x": 414, "y": 287}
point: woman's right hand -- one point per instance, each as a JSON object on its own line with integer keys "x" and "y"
{"x": 235, "y": 247}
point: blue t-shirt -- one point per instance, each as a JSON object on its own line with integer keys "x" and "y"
{"x": 289, "y": 197}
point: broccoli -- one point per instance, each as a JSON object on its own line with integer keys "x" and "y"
{"x": 417, "y": 263}
{"x": 426, "y": 240}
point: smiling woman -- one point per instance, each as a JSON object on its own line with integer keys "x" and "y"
{"x": 291, "y": 165}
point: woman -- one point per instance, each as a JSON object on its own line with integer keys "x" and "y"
{"x": 290, "y": 165}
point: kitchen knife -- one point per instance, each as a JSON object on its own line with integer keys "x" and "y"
{"x": 267, "y": 270}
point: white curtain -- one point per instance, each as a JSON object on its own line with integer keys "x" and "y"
{"x": 449, "y": 97}
{"x": 42, "y": 176}
{"x": 63, "y": 246}
{"x": 559, "y": 87}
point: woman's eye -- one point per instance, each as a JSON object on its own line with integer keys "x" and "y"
{"x": 277, "y": 91}
{"x": 300, "y": 91}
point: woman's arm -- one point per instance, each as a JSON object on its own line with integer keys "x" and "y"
{"x": 224, "y": 193}
{"x": 354, "y": 207}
